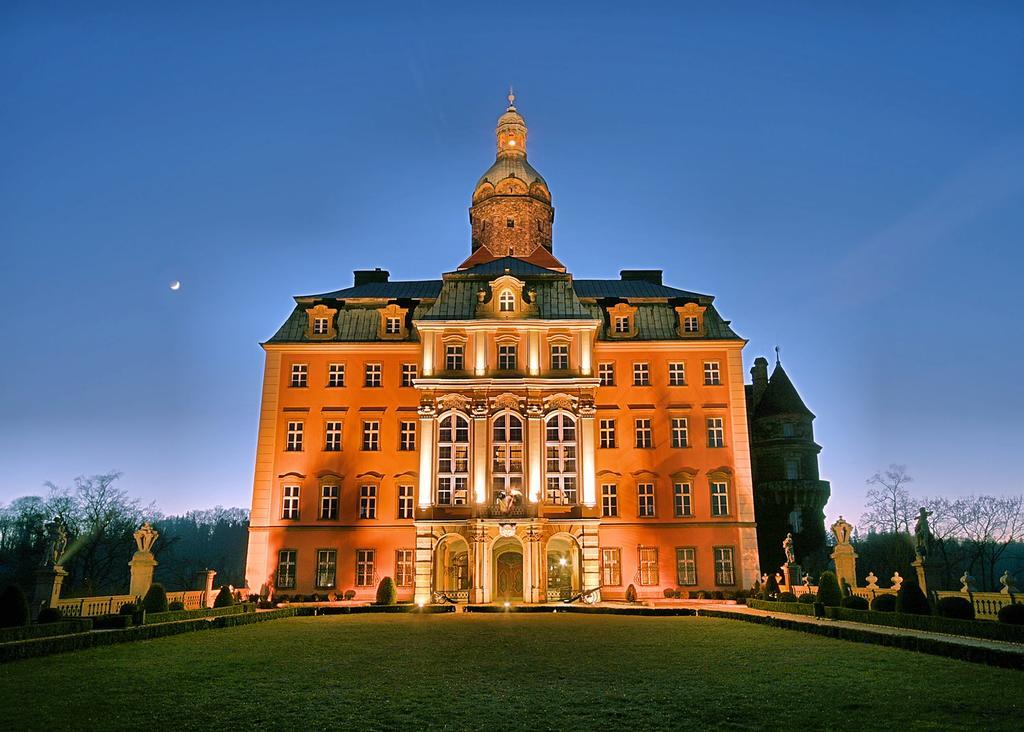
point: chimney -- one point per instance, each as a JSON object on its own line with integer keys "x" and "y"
{"x": 646, "y": 275}
{"x": 759, "y": 377}
{"x": 366, "y": 276}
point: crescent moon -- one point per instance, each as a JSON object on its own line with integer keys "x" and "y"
{"x": 176, "y": 285}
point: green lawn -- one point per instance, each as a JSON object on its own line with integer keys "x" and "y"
{"x": 504, "y": 671}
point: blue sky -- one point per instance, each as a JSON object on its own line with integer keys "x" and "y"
{"x": 848, "y": 182}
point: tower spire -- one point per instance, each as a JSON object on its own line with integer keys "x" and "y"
{"x": 778, "y": 357}
{"x": 511, "y": 99}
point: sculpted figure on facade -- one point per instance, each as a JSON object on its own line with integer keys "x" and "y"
{"x": 787, "y": 547}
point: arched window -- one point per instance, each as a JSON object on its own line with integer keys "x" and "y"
{"x": 507, "y": 301}
{"x": 453, "y": 461}
{"x": 507, "y": 459}
{"x": 560, "y": 449}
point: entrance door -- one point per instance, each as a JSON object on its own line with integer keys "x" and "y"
{"x": 509, "y": 576}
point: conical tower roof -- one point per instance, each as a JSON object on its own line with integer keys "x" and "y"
{"x": 781, "y": 397}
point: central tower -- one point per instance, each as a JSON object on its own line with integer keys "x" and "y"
{"x": 511, "y": 215}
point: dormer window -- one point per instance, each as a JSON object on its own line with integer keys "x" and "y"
{"x": 690, "y": 324}
{"x": 507, "y": 302}
{"x": 321, "y": 326}
{"x": 622, "y": 324}
{"x": 393, "y": 326}
{"x": 691, "y": 320}
{"x": 392, "y": 323}
{"x": 320, "y": 322}
{"x": 622, "y": 321}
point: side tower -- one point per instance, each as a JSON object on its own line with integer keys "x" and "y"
{"x": 788, "y": 494}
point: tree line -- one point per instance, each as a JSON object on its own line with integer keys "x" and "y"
{"x": 100, "y": 519}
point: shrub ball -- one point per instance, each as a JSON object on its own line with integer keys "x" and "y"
{"x": 955, "y": 607}
{"x": 884, "y": 603}
{"x": 855, "y": 603}
{"x": 155, "y": 600}
{"x": 224, "y": 597}
{"x": 1012, "y": 614}
{"x": 828, "y": 590}
{"x": 13, "y": 607}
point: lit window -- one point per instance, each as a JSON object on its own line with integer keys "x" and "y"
{"x": 507, "y": 358}
{"x": 645, "y": 500}
{"x": 366, "y": 576}
{"x": 606, "y": 374}
{"x": 329, "y": 502}
{"x": 622, "y": 324}
{"x": 372, "y": 375}
{"x": 294, "y": 441}
{"x": 405, "y": 506}
{"x": 644, "y": 436}
{"x": 371, "y": 435}
{"x": 453, "y": 461}
{"x": 607, "y": 433}
{"x": 320, "y": 326}
{"x": 648, "y": 565}
{"x": 716, "y": 432}
{"x": 367, "y": 501}
{"x": 507, "y": 301}
{"x": 560, "y": 463}
{"x": 611, "y": 567}
{"x": 407, "y": 436}
{"x": 404, "y": 567}
{"x": 336, "y": 374}
{"x": 507, "y": 458}
{"x": 559, "y": 357}
{"x": 641, "y": 374}
{"x": 290, "y": 503}
{"x": 686, "y": 566}
{"x": 682, "y": 499}
{"x": 719, "y": 499}
{"x": 286, "y": 569}
{"x": 299, "y": 373}
{"x": 453, "y": 357}
{"x": 712, "y": 375}
{"x": 609, "y": 500}
{"x": 679, "y": 432}
{"x": 332, "y": 436}
{"x": 690, "y": 324}
{"x": 677, "y": 374}
{"x": 409, "y": 373}
{"x": 724, "y": 574}
{"x": 326, "y": 568}
{"x": 393, "y": 326}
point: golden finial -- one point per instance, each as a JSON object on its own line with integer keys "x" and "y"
{"x": 511, "y": 98}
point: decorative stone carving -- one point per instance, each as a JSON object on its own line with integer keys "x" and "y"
{"x": 922, "y": 533}
{"x": 57, "y": 542}
{"x": 506, "y": 401}
{"x": 391, "y": 313}
{"x": 1007, "y": 582}
{"x": 145, "y": 537}
{"x": 896, "y": 580}
{"x": 872, "y": 581}
{"x": 319, "y": 312}
{"x": 560, "y": 401}
{"x": 842, "y": 529}
{"x": 787, "y": 547}
{"x": 452, "y": 401}
{"x": 507, "y": 530}
{"x": 967, "y": 583}
{"x": 143, "y": 562}
{"x": 690, "y": 310}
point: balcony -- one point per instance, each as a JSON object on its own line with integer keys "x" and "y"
{"x": 801, "y": 489}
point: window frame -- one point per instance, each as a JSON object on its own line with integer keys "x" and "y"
{"x": 616, "y": 579}
{"x": 503, "y": 450}
{"x": 712, "y": 373}
{"x": 410, "y": 372}
{"x": 291, "y": 501}
{"x": 642, "y": 496}
{"x": 299, "y": 376}
{"x": 368, "y": 493}
{"x": 458, "y": 479}
{"x": 715, "y": 431}
{"x": 609, "y": 500}
{"x": 606, "y": 373}
{"x": 373, "y": 375}
{"x": 677, "y": 430}
{"x": 732, "y": 565}
{"x": 647, "y": 565}
{"x": 405, "y": 567}
{"x": 330, "y": 501}
{"x": 366, "y": 558}
{"x": 295, "y": 435}
{"x": 719, "y": 499}
{"x": 333, "y": 435}
{"x": 643, "y": 432}
{"x": 370, "y": 441}
{"x": 641, "y": 373}
{"x": 335, "y": 376}
{"x": 607, "y": 434}
{"x": 682, "y": 498}
{"x": 279, "y": 583}
{"x": 680, "y": 579}
{"x": 319, "y": 568}
{"x": 558, "y": 353}
{"x": 407, "y": 429}
{"x": 677, "y": 373}
{"x": 406, "y": 501}
{"x": 566, "y": 490}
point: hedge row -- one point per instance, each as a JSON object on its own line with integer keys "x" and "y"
{"x": 584, "y": 610}
{"x": 795, "y": 608}
{"x": 230, "y": 621}
{"x": 359, "y": 609}
{"x": 933, "y": 646}
{"x": 63, "y": 643}
{"x": 972, "y": 628}
{"x": 44, "y": 630}
{"x": 174, "y": 616}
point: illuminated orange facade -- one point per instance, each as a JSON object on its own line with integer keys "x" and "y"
{"x": 507, "y": 432}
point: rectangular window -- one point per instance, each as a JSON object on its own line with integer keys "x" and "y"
{"x": 609, "y": 499}
{"x": 371, "y": 435}
{"x": 792, "y": 469}
{"x": 679, "y": 432}
{"x": 404, "y": 567}
{"x": 507, "y": 358}
{"x": 606, "y": 373}
{"x": 719, "y": 499}
{"x": 407, "y": 436}
{"x": 392, "y": 326}
{"x": 405, "y": 501}
{"x": 559, "y": 357}
{"x": 645, "y": 500}
{"x": 320, "y": 326}
{"x": 372, "y": 375}
{"x": 294, "y": 442}
{"x": 788, "y": 429}
{"x": 454, "y": 359}
{"x": 452, "y": 490}
{"x": 690, "y": 324}
{"x": 300, "y": 374}
{"x": 611, "y": 567}
{"x": 607, "y": 433}
{"x": 724, "y": 574}
{"x": 367, "y": 501}
{"x": 621, "y": 324}
{"x": 712, "y": 376}
{"x": 290, "y": 502}
{"x": 686, "y": 566}
{"x": 677, "y": 374}
{"x": 336, "y": 374}
{"x": 365, "y": 574}
{"x": 286, "y": 569}
{"x": 641, "y": 374}
{"x": 644, "y": 436}
{"x": 332, "y": 436}
{"x": 409, "y": 373}
{"x": 682, "y": 499}
{"x": 716, "y": 432}
{"x": 648, "y": 565}
{"x": 329, "y": 502}
{"x": 326, "y": 568}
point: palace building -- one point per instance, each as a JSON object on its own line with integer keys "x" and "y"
{"x": 507, "y": 432}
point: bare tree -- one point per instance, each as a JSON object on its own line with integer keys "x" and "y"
{"x": 989, "y": 524}
{"x": 888, "y": 508}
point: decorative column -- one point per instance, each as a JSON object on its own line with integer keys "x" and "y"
{"x": 204, "y": 582}
{"x": 478, "y": 546}
{"x": 143, "y": 562}
{"x": 587, "y": 465}
{"x": 589, "y": 544}
{"x": 535, "y": 450}
{"x": 843, "y": 555}
{"x": 424, "y": 565}
{"x": 478, "y": 466}
{"x": 533, "y": 565}
{"x": 428, "y": 437}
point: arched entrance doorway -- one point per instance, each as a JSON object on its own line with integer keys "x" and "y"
{"x": 451, "y": 568}
{"x": 508, "y": 570}
{"x": 563, "y": 566}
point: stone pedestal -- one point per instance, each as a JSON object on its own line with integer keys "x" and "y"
{"x": 46, "y": 592}
{"x": 846, "y": 564}
{"x": 142, "y": 566}
{"x": 927, "y": 575}
{"x": 792, "y": 574}
{"x": 204, "y": 582}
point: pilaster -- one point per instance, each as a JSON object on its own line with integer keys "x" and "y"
{"x": 428, "y": 438}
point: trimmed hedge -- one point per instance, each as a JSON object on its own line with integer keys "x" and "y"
{"x": 1011, "y": 614}
{"x": 155, "y": 600}
{"x": 362, "y": 609}
{"x": 985, "y": 629}
{"x": 884, "y": 603}
{"x": 958, "y": 608}
{"x": 829, "y": 594}
{"x": 112, "y": 622}
{"x": 854, "y": 602}
{"x": 387, "y": 593}
{"x": 586, "y": 610}
{"x": 174, "y": 616}
{"x": 13, "y": 607}
{"x": 224, "y": 597}
{"x": 27, "y": 632}
{"x": 910, "y": 600}
{"x": 795, "y": 608}
{"x": 934, "y": 646}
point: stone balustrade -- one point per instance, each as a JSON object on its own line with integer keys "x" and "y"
{"x": 89, "y": 607}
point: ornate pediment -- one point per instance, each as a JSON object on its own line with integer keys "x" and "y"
{"x": 453, "y": 401}
{"x": 560, "y": 401}
{"x": 507, "y": 401}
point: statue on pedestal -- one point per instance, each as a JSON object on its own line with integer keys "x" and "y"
{"x": 922, "y": 533}
{"x": 57, "y": 542}
{"x": 787, "y": 546}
